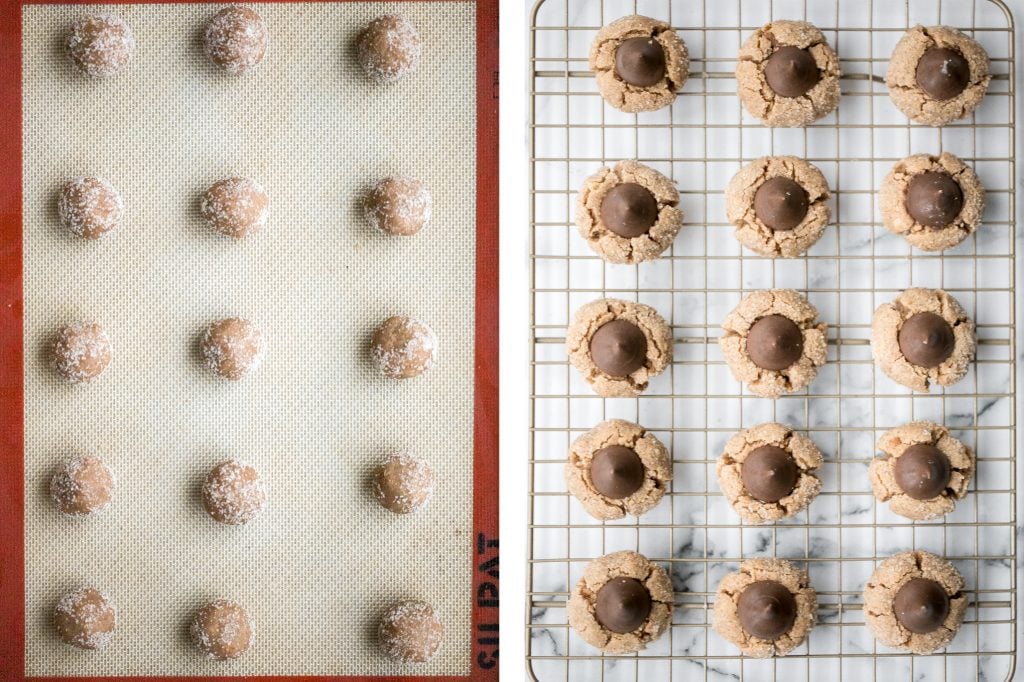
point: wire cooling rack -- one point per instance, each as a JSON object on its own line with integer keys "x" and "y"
{"x": 696, "y": 405}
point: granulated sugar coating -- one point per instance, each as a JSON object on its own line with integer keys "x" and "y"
{"x": 234, "y": 493}
{"x": 399, "y": 206}
{"x": 388, "y": 48}
{"x": 100, "y": 45}
{"x": 233, "y": 347}
{"x": 403, "y": 347}
{"x": 410, "y": 632}
{"x": 403, "y": 483}
{"x": 83, "y": 486}
{"x": 235, "y": 206}
{"x": 236, "y": 39}
{"x": 221, "y": 630}
{"x": 85, "y": 618}
{"x": 80, "y": 352}
{"x": 90, "y": 207}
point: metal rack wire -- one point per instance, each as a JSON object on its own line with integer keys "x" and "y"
{"x": 696, "y": 405}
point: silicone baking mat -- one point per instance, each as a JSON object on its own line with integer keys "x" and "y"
{"x": 696, "y": 405}
{"x": 316, "y": 570}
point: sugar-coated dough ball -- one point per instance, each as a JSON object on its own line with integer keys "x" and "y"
{"x": 83, "y": 486}
{"x": 233, "y": 347}
{"x": 90, "y": 207}
{"x": 221, "y": 629}
{"x": 100, "y": 45}
{"x": 85, "y": 618}
{"x": 388, "y": 48}
{"x": 234, "y": 493}
{"x": 236, "y": 39}
{"x": 235, "y": 206}
{"x": 400, "y": 206}
{"x": 80, "y": 352}
{"x": 403, "y": 347}
{"x": 410, "y": 632}
{"x": 403, "y": 483}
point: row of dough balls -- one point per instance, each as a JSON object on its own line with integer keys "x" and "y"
{"x": 402, "y": 347}
{"x": 409, "y": 631}
{"x": 235, "y": 39}
{"x": 91, "y": 207}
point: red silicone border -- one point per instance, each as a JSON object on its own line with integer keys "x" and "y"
{"x": 484, "y": 665}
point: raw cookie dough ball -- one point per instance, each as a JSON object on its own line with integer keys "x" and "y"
{"x": 235, "y": 206}
{"x": 236, "y": 39}
{"x": 100, "y": 45}
{"x": 403, "y": 483}
{"x": 388, "y": 48}
{"x": 403, "y": 347}
{"x": 221, "y": 629}
{"x": 90, "y": 207}
{"x": 85, "y": 618}
{"x": 410, "y": 632}
{"x": 400, "y": 206}
{"x": 83, "y": 486}
{"x": 80, "y": 352}
{"x": 234, "y": 493}
{"x": 233, "y": 347}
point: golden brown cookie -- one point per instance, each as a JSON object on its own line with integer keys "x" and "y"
{"x": 915, "y": 601}
{"x": 628, "y": 213}
{"x": 766, "y": 608}
{"x": 618, "y": 346}
{"x": 767, "y": 472}
{"x": 913, "y": 347}
{"x": 622, "y": 603}
{"x": 773, "y": 342}
{"x": 923, "y": 470}
{"x": 787, "y": 75}
{"x": 641, "y": 63}
{"x": 934, "y": 202}
{"x": 937, "y": 74}
{"x": 618, "y": 468}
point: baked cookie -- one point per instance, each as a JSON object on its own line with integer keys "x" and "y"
{"x": 773, "y": 342}
{"x": 937, "y": 74}
{"x": 787, "y": 75}
{"x": 923, "y": 336}
{"x": 622, "y": 603}
{"x": 618, "y": 468}
{"x": 641, "y": 63}
{"x": 914, "y": 601}
{"x": 934, "y": 202}
{"x": 618, "y": 346}
{"x": 767, "y": 472}
{"x": 779, "y": 205}
{"x": 766, "y": 608}
{"x": 629, "y": 213}
{"x": 922, "y": 472}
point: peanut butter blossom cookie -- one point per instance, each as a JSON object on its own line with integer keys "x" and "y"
{"x": 618, "y": 468}
{"x": 622, "y": 603}
{"x": 640, "y": 63}
{"x": 100, "y": 45}
{"x": 922, "y": 472}
{"x": 618, "y": 346}
{"x": 766, "y": 608}
{"x": 629, "y": 213}
{"x": 85, "y": 618}
{"x": 787, "y": 75}
{"x": 773, "y": 342}
{"x": 923, "y": 337}
{"x": 934, "y": 202}
{"x": 915, "y": 601}
{"x": 767, "y": 472}
{"x": 937, "y": 74}
{"x": 779, "y": 205}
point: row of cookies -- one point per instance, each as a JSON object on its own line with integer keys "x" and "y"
{"x": 787, "y": 74}
{"x": 914, "y": 601}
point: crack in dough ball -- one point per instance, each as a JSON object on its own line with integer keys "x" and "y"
{"x": 410, "y": 632}
{"x": 399, "y": 206}
{"x": 83, "y": 486}
{"x": 100, "y": 45}
{"x": 403, "y": 483}
{"x": 85, "y": 618}
{"x": 233, "y": 347}
{"x": 80, "y": 352}
{"x": 388, "y": 48}
{"x": 221, "y": 629}
{"x": 403, "y": 347}
{"x": 234, "y": 493}
{"x": 235, "y": 206}
{"x": 236, "y": 39}
{"x": 90, "y": 207}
